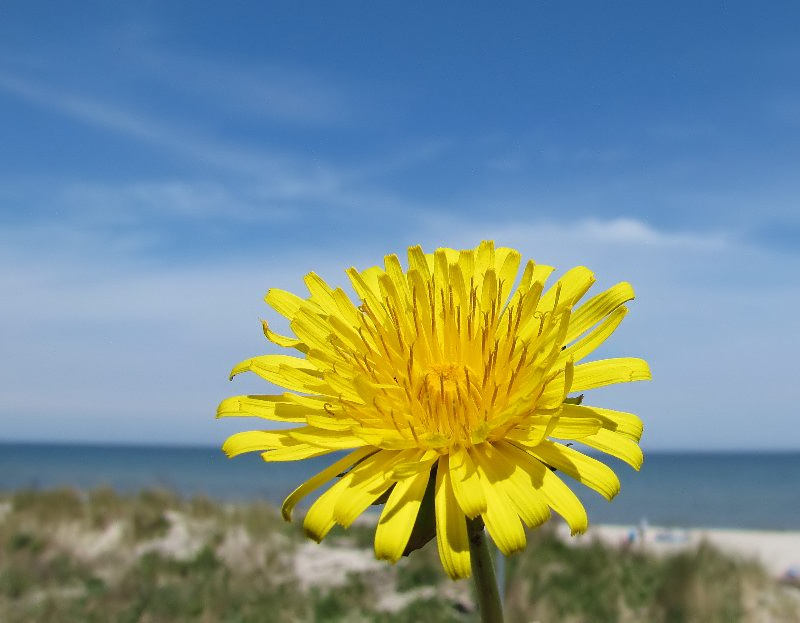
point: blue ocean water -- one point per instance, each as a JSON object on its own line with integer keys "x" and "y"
{"x": 723, "y": 490}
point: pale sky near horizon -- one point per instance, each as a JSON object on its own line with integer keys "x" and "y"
{"x": 163, "y": 164}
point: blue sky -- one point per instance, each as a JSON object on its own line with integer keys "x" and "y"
{"x": 162, "y": 165}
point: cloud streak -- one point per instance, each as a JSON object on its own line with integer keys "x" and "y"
{"x": 152, "y": 131}
{"x": 139, "y": 352}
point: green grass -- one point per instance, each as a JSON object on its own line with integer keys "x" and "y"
{"x": 553, "y": 581}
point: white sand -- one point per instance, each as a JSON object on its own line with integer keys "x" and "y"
{"x": 778, "y": 552}
{"x": 181, "y": 542}
{"x": 322, "y": 565}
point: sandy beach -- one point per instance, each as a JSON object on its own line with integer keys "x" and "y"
{"x": 777, "y": 551}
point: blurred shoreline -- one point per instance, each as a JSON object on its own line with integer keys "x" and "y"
{"x": 737, "y": 490}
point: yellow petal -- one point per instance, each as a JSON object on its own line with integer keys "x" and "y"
{"x": 616, "y": 445}
{"x": 283, "y": 302}
{"x": 366, "y": 482}
{"x": 345, "y": 500}
{"x": 294, "y": 453}
{"x": 582, "y": 468}
{"x": 418, "y": 262}
{"x": 533, "y": 431}
{"x": 398, "y": 516}
{"x": 564, "y": 501}
{"x": 333, "y": 440}
{"x": 366, "y": 389}
{"x": 278, "y": 445}
{"x": 501, "y": 519}
{"x": 319, "y": 518}
{"x": 321, "y": 293}
{"x": 489, "y": 290}
{"x": 620, "y": 422}
{"x": 368, "y": 294}
{"x": 508, "y": 264}
{"x": 556, "y": 493}
{"x": 547, "y": 331}
{"x": 289, "y": 372}
{"x": 267, "y": 407}
{"x": 466, "y": 484}
{"x": 422, "y": 313}
{"x": 327, "y": 422}
{"x": 341, "y": 386}
{"x": 589, "y": 342}
{"x": 567, "y": 290}
{"x": 312, "y": 329}
{"x": 451, "y": 527}
{"x": 344, "y": 331}
{"x": 313, "y": 403}
{"x": 459, "y": 289}
{"x": 395, "y": 272}
{"x": 484, "y": 258}
{"x": 321, "y": 478}
{"x": 386, "y": 438}
{"x": 596, "y": 308}
{"x": 540, "y": 274}
{"x": 575, "y": 428}
{"x": 556, "y": 389}
{"x": 371, "y": 277}
{"x": 424, "y": 462}
{"x": 609, "y": 371}
{"x": 256, "y": 441}
{"x": 466, "y": 265}
{"x": 282, "y": 340}
{"x": 393, "y": 290}
{"x": 512, "y": 480}
{"x": 348, "y": 312}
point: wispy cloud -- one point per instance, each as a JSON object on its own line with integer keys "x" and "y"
{"x": 618, "y": 231}
{"x": 85, "y": 109}
{"x": 228, "y": 178}
{"x": 261, "y": 90}
{"x": 142, "y": 202}
{"x": 577, "y": 240}
{"x": 178, "y": 137}
{"x": 136, "y": 350}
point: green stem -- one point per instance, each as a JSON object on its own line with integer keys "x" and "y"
{"x": 483, "y": 573}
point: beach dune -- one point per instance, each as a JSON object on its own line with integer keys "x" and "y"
{"x": 777, "y": 551}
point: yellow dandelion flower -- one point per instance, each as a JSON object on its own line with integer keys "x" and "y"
{"x": 444, "y": 373}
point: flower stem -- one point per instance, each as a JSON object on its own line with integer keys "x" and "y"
{"x": 483, "y": 573}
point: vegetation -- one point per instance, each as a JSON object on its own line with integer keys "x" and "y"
{"x": 67, "y": 556}
{"x": 555, "y": 581}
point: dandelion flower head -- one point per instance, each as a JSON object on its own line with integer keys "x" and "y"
{"x": 444, "y": 378}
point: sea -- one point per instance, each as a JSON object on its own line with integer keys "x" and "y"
{"x": 743, "y": 490}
